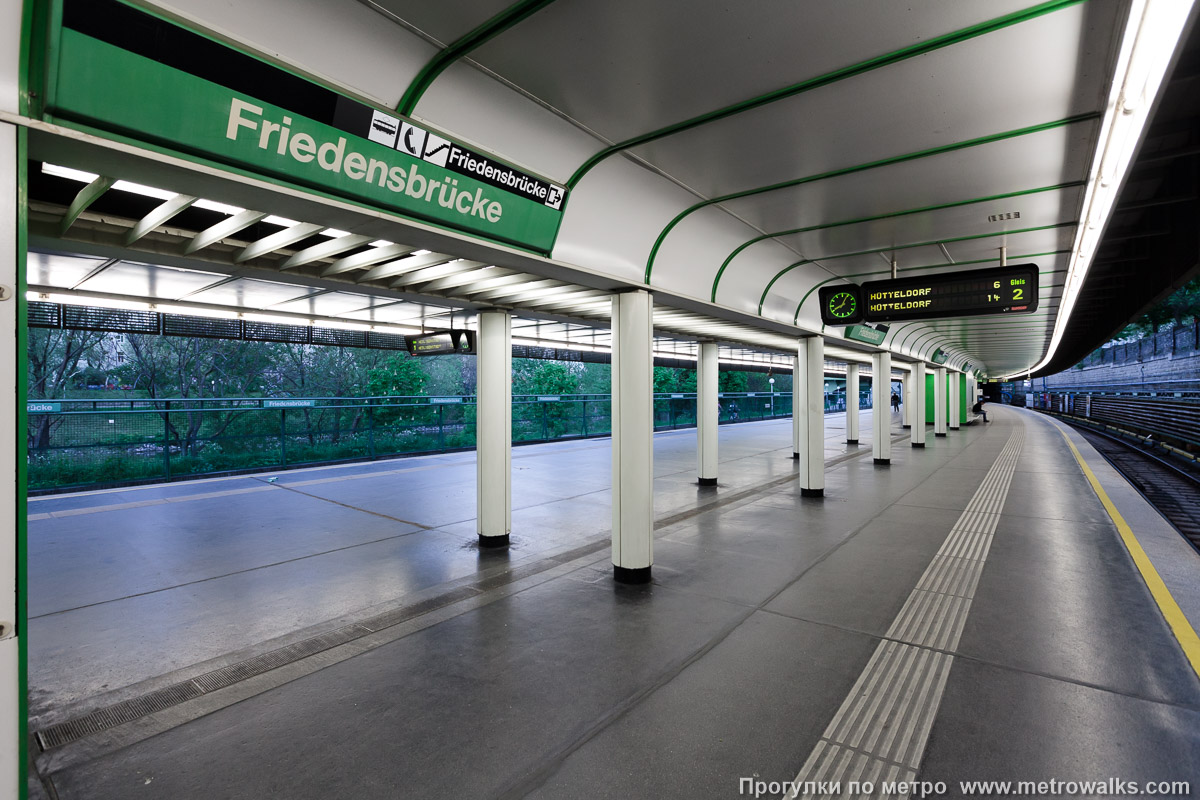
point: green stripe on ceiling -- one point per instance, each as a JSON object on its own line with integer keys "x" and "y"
{"x": 498, "y": 24}
{"x": 887, "y": 59}
{"x": 893, "y": 248}
{"x": 890, "y": 215}
{"x": 883, "y": 162}
{"x": 796, "y": 317}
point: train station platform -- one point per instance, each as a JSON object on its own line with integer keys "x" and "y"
{"x": 971, "y": 612}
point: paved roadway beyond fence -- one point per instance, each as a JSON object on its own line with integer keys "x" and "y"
{"x": 93, "y": 443}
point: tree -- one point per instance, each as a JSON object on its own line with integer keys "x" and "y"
{"x": 536, "y": 376}
{"x": 399, "y": 374}
{"x": 730, "y": 381}
{"x": 53, "y": 363}
{"x": 674, "y": 379}
{"x": 176, "y": 367}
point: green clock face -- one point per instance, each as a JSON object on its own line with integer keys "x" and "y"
{"x": 842, "y": 305}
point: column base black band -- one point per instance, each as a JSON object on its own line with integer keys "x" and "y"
{"x": 906, "y": 426}
{"x": 852, "y": 441}
{"x": 941, "y": 435}
{"x": 918, "y": 444}
{"x": 626, "y": 575}
{"x": 812, "y": 492}
{"x": 795, "y": 456}
{"x": 882, "y": 462}
{"x": 707, "y": 481}
{"x": 493, "y": 541}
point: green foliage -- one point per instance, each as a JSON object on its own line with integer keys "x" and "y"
{"x": 1178, "y": 307}
{"x": 674, "y": 379}
{"x": 535, "y": 376}
{"x": 594, "y": 378}
{"x": 400, "y": 375}
{"x": 728, "y": 381}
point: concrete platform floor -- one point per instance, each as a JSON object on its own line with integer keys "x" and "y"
{"x": 926, "y": 626}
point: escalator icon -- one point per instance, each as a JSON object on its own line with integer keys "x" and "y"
{"x": 437, "y": 150}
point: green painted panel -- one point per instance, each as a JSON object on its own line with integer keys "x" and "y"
{"x": 963, "y": 408}
{"x": 114, "y": 89}
{"x": 866, "y": 334}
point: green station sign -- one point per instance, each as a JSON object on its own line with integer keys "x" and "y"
{"x": 288, "y": 403}
{"x": 939, "y": 356}
{"x": 352, "y": 150}
{"x": 865, "y": 334}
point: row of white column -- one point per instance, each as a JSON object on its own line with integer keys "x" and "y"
{"x": 633, "y": 424}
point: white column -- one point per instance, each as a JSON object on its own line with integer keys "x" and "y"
{"x": 939, "y": 401}
{"x": 852, "y": 403}
{"x": 798, "y": 401}
{"x": 706, "y": 415}
{"x": 905, "y": 400}
{"x": 916, "y": 414}
{"x": 955, "y": 402}
{"x": 493, "y": 428}
{"x": 12, "y": 509}
{"x": 881, "y": 408}
{"x": 632, "y": 437}
{"x": 808, "y": 415}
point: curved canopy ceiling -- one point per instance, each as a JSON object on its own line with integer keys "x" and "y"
{"x": 745, "y": 154}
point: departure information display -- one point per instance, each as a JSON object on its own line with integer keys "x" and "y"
{"x": 1000, "y": 290}
{"x": 440, "y": 343}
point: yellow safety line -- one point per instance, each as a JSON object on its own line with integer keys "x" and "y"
{"x": 1180, "y": 626}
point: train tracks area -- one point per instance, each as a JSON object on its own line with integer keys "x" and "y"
{"x": 1171, "y": 489}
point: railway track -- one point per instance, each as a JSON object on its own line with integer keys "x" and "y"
{"x": 1170, "y": 489}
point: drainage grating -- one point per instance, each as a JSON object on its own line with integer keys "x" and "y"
{"x": 117, "y": 714}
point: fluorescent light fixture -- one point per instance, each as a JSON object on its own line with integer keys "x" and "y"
{"x": 68, "y": 173}
{"x": 283, "y": 222}
{"x": 380, "y": 243}
{"x": 583, "y": 348}
{"x": 144, "y": 191}
{"x": 213, "y": 205}
{"x": 339, "y": 325}
{"x": 1151, "y": 35}
{"x": 252, "y": 316}
{"x": 423, "y": 253}
{"x": 334, "y": 233}
{"x": 84, "y": 300}
{"x": 196, "y": 311}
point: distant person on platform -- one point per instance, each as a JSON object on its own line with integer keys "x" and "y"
{"x": 978, "y": 409}
{"x": 895, "y": 402}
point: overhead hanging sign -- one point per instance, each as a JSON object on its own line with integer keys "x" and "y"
{"x": 129, "y": 72}
{"x": 865, "y": 334}
{"x": 999, "y": 290}
{"x": 940, "y": 356}
{"x": 441, "y": 343}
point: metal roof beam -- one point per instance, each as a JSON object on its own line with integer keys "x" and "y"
{"x": 325, "y": 249}
{"x": 277, "y": 240}
{"x": 403, "y": 266}
{"x": 86, "y": 196}
{"x": 367, "y": 258}
{"x": 159, "y": 216}
{"x": 223, "y": 230}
